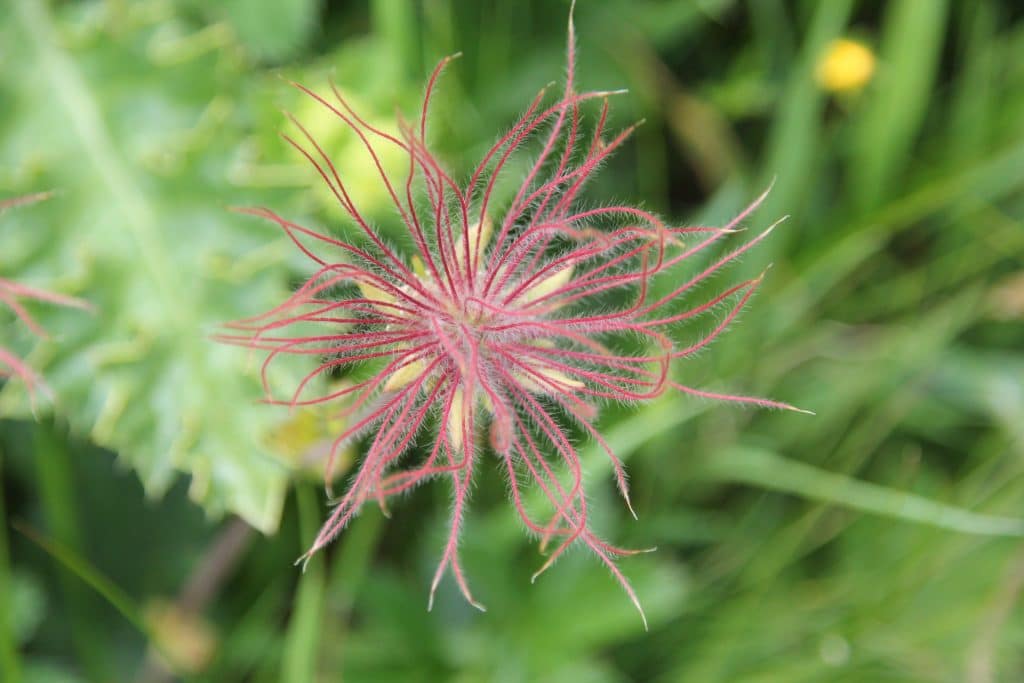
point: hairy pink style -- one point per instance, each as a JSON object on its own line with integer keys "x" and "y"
{"x": 12, "y": 294}
{"x": 507, "y": 328}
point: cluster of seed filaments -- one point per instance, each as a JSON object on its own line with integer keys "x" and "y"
{"x": 510, "y": 326}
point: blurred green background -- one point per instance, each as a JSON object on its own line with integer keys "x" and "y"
{"x": 872, "y": 542}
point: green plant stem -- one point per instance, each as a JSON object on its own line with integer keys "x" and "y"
{"x": 790, "y": 160}
{"x": 56, "y": 493}
{"x": 10, "y": 666}
{"x": 303, "y": 637}
{"x": 349, "y": 570}
{"x": 395, "y": 24}
{"x": 352, "y": 563}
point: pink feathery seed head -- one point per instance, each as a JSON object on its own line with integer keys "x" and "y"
{"x": 500, "y": 320}
{"x": 12, "y": 294}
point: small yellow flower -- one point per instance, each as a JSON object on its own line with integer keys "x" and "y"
{"x": 184, "y": 637}
{"x": 846, "y": 65}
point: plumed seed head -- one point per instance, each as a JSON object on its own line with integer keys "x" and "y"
{"x": 513, "y": 320}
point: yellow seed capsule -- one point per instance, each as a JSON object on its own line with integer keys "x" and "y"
{"x": 486, "y": 402}
{"x": 552, "y": 283}
{"x": 455, "y": 420}
{"x": 418, "y": 267}
{"x": 375, "y": 293}
{"x": 845, "y": 66}
{"x": 185, "y": 638}
{"x": 481, "y": 231}
{"x": 544, "y": 380}
{"x": 404, "y": 375}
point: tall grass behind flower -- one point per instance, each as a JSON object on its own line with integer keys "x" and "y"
{"x": 504, "y": 320}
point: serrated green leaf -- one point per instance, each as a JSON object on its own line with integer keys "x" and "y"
{"x": 135, "y": 124}
{"x": 272, "y": 29}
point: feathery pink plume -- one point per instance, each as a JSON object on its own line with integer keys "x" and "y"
{"x": 506, "y": 327}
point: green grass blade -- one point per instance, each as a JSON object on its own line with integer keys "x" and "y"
{"x": 57, "y": 496}
{"x": 395, "y": 24}
{"x": 792, "y": 157}
{"x": 975, "y": 95}
{"x": 989, "y": 180}
{"x": 10, "y": 665}
{"x": 769, "y": 471}
{"x": 909, "y": 60}
{"x": 303, "y": 637}
{"x": 89, "y": 575}
{"x": 92, "y": 577}
{"x": 352, "y": 562}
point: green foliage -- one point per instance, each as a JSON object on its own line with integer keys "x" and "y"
{"x": 139, "y": 228}
{"x": 273, "y": 30}
{"x": 876, "y": 541}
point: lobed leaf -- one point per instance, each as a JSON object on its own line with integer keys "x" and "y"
{"x": 141, "y": 156}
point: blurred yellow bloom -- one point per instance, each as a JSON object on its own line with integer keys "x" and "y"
{"x": 846, "y": 65}
{"x": 187, "y": 639}
{"x": 1006, "y": 298}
